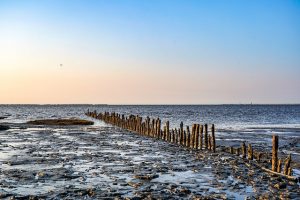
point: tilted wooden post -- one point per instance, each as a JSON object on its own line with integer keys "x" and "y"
{"x": 290, "y": 171}
{"x": 274, "y": 153}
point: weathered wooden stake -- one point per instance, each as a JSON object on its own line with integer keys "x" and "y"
{"x": 182, "y": 134}
{"x": 159, "y": 128}
{"x": 188, "y": 138}
{"x": 250, "y": 152}
{"x": 176, "y": 136}
{"x": 173, "y": 136}
{"x": 287, "y": 164}
{"x": 168, "y": 131}
{"x": 193, "y": 136}
{"x": 213, "y": 138}
{"x": 206, "y": 136}
{"x": 201, "y": 137}
{"x": 244, "y": 149}
{"x": 290, "y": 171}
{"x": 237, "y": 152}
{"x": 184, "y": 137}
{"x": 210, "y": 142}
{"x": 196, "y": 146}
{"x": 258, "y": 156}
{"x": 231, "y": 150}
{"x": 274, "y": 153}
{"x": 279, "y": 166}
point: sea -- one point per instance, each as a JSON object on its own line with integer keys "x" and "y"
{"x": 228, "y": 117}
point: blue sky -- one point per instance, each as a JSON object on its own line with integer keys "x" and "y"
{"x": 254, "y": 45}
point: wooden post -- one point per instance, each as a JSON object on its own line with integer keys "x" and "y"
{"x": 159, "y": 128}
{"x": 193, "y": 136}
{"x": 213, "y": 138}
{"x": 176, "y": 136}
{"x": 250, "y": 152}
{"x": 258, "y": 156}
{"x": 279, "y": 166}
{"x": 274, "y": 153}
{"x": 205, "y": 136}
{"x": 290, "y": 171}
{"x": 152, "y": 128}
{"x": 173, "y": 136}
{"x": 237, "y": 152}
{"x": 196, "y": 146}
{"x": 184, "y": 137}
{"x": 244, "y": 149}
{"x": 201, "y": 137}
{"x": 287, "y": 164}
{"x": 168, "y": 131}
{"x": 182, "y": 134}
{"x": 210, "y": 142}
{"x": 188, "y": 137}
{"x": 231, "y": 150}
{"x": 148, "y": 126}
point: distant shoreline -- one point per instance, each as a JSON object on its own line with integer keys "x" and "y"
{"x": 281, "y": 104}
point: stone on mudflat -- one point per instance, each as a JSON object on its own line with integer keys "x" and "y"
{"x": 4, "y": 127}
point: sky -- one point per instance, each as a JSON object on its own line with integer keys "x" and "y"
{"x": 149, "y": 51}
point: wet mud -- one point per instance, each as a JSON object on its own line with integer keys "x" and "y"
{"x": 97, "y": 162}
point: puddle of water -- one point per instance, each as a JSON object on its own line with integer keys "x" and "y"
{"x": 7, "y": 155}
{"x": 185, "y": 176}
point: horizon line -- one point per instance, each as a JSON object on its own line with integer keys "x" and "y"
{"x": 104, "y": 104}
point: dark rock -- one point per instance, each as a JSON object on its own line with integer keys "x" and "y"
{"x": 146, "y": 176}
{"x": 4, "y": 127}
{"x": 61, "y": 122}
{"x": 280, "y": 185}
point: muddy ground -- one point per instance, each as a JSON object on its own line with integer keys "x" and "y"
{"x": 97, "y": 162}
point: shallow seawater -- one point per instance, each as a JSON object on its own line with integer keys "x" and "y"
{"x": 56, "y": 162}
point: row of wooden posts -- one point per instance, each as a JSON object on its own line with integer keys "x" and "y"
{"x": 250, "y": 154}
{"x": 198, "y": 138}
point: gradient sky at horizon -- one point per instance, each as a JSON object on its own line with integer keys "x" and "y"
{"x": 149, "y": 52}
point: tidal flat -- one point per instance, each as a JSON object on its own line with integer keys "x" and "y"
{"x": 94, "y": 162}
